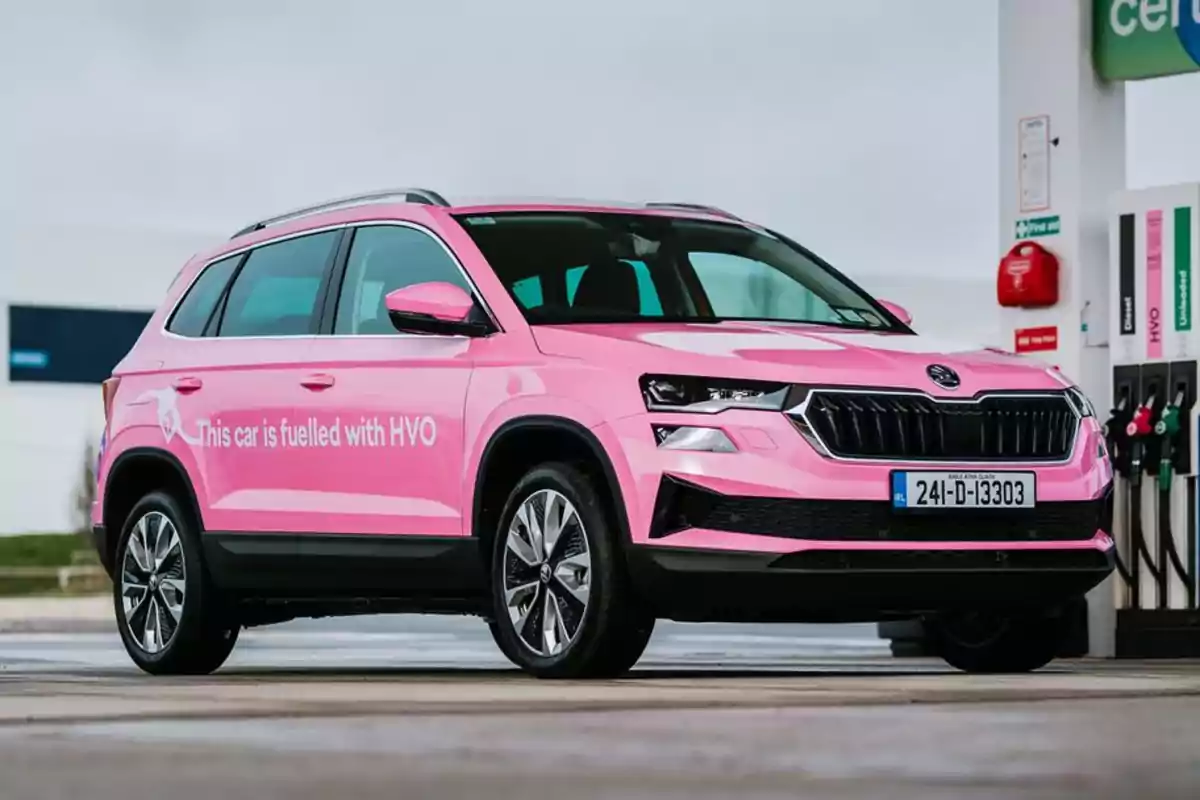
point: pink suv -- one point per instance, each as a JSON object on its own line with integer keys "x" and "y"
{"x": 573, "y": 420}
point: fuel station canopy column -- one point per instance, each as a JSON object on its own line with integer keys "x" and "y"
{"x": 1063, "y": 64}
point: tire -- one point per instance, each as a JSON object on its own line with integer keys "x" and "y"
{"x": 601, "y": 636}
{"x": 991, "y": 644}
{"x": 172, "y": 619}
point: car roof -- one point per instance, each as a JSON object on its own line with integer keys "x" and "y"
{"x": 402, "y": 203}
{"x": 431, "y": 199}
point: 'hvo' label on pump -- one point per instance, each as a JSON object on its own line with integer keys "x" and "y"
{"x": 1183, "y": 269}
{"x": 1154, "y": 285}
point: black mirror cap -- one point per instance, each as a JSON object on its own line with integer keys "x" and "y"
{"x": 425, "y": 324}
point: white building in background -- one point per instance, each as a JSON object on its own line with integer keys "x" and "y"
{"x": 136, "y": 133}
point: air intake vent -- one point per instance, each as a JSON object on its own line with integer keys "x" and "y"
{"x": 915, "y": 427}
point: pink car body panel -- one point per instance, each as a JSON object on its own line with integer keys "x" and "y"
{"x": 437, "y": 401}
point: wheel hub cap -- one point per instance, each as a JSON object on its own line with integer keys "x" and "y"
{"x": 153, "y": 582}
{"x": 547, "y": 572}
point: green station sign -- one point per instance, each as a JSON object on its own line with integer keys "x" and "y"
{"x": 1136, "y": 39}
{"x": 1032, "y": 227}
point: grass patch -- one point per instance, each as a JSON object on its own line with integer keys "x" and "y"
{"x": 42, "y": 549}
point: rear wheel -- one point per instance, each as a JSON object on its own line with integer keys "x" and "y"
{"x": 563, "y": 605}
{"x": 172, "y": 620}
{"x": 997, "y": 643}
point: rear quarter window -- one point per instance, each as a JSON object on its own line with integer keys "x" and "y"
{"x": 196, "y": 309}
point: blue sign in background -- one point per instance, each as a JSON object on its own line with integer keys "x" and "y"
{"x": 69, "y": 345}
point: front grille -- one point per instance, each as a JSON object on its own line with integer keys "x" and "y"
{"x": 916, "y": 427}
{"x": 681, "y": 505}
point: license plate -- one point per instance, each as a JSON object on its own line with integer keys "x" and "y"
{"x": 923, "y": 489}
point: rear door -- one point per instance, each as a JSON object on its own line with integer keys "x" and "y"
{"x": 237, "y": 384}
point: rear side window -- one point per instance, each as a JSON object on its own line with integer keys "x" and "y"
{"x": 278, "y": 290}
{"x": 194, "y": 312}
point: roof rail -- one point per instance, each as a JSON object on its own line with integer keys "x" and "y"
{"x": 720, "y": 212}
{"x": 424, "y": 196}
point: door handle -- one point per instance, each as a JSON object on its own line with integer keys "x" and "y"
{"x": 317, "y": 382}
{"x": 186, "y": 385}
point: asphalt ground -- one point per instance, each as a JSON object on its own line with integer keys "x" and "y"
{"x": 413, "y": 707}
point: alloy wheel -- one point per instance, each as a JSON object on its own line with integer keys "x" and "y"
{"x": 153, "y": 582}
{"x": 547, "y": 572}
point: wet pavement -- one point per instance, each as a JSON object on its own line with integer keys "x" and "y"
{"x": 420, "y": 707}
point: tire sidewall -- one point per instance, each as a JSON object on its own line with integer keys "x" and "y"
{"x": 573, "y": 485}
{"x": 191, "y": 621}
{"x": 1024, "y": 643}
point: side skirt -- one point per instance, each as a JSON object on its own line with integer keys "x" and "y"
{"x": 274, "y": 577}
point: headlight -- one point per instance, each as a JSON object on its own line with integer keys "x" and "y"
{"x": 694, "y": 395}
{"x": 1080, "y": 401}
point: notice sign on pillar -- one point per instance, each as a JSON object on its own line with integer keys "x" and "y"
{"x": 1036, "y": 340}
{"x": 1033, "y": 136}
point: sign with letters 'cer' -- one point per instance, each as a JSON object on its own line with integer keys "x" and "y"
{"x": 1136, "y": 39}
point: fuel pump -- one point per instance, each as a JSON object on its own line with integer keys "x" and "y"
{"x": 1168, "y": 429}
{"x": 1117, "y": 438}
{"x": 1140, "y": 431}
{"x": 1154, "y": 343}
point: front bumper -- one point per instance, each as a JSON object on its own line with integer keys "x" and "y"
{"x": 777, "y": 494}
{"x": 848, "y": 585}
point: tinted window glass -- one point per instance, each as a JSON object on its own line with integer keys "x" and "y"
{"x": 384, "y": 258}
{"x": 277, "y": 291}
{"x": 528, "y": 291}
{"x": 648, "y": 303}
{"x": 194, "y": 312}
{"x": 612, "y": 267}
{"x": 743, "y": 287}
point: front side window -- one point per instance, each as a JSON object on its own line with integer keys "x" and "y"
{"x": 577, "y": 267}
{"x": 384, "y": 258}
{"x": 278, "y": 289}
{"x": 196, "y": 309}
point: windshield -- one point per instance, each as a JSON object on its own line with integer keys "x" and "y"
{"x": 569, "y": 267}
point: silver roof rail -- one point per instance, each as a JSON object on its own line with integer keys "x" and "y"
{"x": 720, "y": 212}
{"x": 424, "y": 196}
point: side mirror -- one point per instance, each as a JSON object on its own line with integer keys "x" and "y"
{"x": 898, "y": 311}
{"x": 434, "y": 307}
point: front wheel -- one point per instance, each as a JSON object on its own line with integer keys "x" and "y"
{"x": 997, "y": 643}
{"x": 172, "y": 619}
{"x": 563, "y": 605}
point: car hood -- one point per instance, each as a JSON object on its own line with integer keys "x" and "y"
{"x": 796, "y": 354}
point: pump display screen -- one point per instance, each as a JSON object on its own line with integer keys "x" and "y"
{"x": 921, "y": 489}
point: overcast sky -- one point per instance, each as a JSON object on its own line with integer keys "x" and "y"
{"x": 867, "y": 129}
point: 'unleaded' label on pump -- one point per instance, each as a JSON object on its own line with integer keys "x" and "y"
{"x": 1183, "y": 269}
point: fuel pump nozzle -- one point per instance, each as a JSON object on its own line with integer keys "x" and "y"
{"x": 1167, "y": 429}
{"x": 1116, "y": 436}
{"x": 1140, "y": 427}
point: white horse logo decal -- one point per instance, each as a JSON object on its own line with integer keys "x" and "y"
{"x": 169, "y": 420}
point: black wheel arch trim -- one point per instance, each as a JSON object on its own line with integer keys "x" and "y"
{"x": 564, "y": 425}
{"x": 170, "y": 460}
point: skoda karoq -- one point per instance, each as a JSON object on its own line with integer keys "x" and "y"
{"x": 571, "y": 421}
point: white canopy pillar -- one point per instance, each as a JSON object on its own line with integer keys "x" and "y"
{"x": 1062, "y": 156}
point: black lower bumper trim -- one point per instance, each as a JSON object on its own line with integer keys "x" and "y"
{"x": 680, "y": 505}
{"x": 857, "y": 586}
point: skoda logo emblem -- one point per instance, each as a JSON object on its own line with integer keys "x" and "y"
{"x": 943, "y": 376}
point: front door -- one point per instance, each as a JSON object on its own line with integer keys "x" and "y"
{"x": 380, "y": 427}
